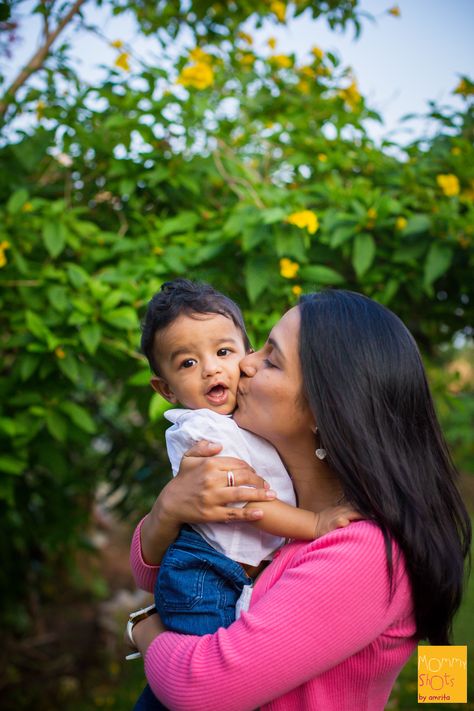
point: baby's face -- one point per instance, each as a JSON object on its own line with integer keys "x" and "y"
{"x": 199, "y": 358}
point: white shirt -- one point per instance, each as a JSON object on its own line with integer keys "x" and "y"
{"x": 239, "y": 541}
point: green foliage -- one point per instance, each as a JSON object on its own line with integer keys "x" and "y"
{"x": 192, "y": 166}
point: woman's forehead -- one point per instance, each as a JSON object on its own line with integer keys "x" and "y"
{"x": 285, "y": 333}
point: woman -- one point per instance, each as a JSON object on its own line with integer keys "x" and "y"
{"x": 331, "y": 622}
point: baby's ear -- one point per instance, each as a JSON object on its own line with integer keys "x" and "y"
{"x": 162, "y": 388}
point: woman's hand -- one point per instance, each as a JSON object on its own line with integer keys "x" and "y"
{"x": 200, "y": 493}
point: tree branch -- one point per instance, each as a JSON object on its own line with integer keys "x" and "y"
{"x": 37, "y": 60}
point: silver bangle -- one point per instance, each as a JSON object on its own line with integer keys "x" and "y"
{"x": 133, "y": 619}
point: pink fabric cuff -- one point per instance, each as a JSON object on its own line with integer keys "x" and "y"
{"x": 144, "y": 574}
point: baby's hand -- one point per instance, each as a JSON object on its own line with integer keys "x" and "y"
{"x": 334, "y": 517}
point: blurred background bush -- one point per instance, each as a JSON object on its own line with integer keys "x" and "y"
{"x": 244, "y": 167}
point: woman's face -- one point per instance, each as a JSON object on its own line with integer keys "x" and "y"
{"x": 270, "y": 401}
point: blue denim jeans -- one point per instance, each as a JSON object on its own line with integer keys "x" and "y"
{"x": 195, "y": 593}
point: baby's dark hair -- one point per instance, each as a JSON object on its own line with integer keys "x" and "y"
{"x": 182, "y": 296}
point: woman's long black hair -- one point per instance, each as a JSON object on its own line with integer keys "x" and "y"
{"x": 366, "y": 385}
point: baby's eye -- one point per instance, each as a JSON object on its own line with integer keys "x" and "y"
{"x": 188, "y": 363}
{"x": 223, "y": 351}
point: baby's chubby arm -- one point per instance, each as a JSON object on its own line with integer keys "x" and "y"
{"x": 287, "y": 521}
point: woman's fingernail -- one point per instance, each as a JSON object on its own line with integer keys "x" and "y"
{"x": 211, "y": 444}
{"x": 257, "y": 513}
{"x": 270, "y": 494}
{"x": 266, "y": 485}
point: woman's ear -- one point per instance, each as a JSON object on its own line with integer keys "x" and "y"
{"x": 162, "y": 388}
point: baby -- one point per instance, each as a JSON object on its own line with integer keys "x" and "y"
{"x": 194, "y": 338}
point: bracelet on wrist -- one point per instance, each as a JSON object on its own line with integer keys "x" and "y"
{"x": 133, "y": 619}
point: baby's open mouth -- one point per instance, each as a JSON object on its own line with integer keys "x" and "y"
{"x": 217, "y": 395}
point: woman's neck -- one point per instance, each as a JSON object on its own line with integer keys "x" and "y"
{"x": 316, "y": 485}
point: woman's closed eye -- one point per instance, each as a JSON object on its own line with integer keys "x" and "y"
{"x": 268, "y": 363}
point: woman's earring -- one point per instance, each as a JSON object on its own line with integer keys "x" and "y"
{"x": 320, "y": 452}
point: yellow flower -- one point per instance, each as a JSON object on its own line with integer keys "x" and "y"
{"x": 245, "y": 37}
{"x": 158, "y": 250}
{"x": 372, "y": 213}
{"x": 59, "y": 353}
{"x": 27, "y": 207}
{"x": 304, "y": 219}
{"x": 40, "y": 107}
{"x": 394, "y": 11}
{"x": 322, "y": 157}
{"x": 279, "y": 9}
{"x": 401, "y": 223}
{"x": 303, "y": 86}
{"x": 351, "y": 95}
{"x": 3, "y": 247}
{"x": 288, "y": 269}
{"x": 272, "y": 43}
{"x": 122, "y": 61}
{"x": 455, "y": 151}
{"x": 317, "y": 52}
{"x": 199, "y": 55}
{"x": 281, "y": 60}
{"x": 118, "y": 44}
{"x": 199, "y": 76}
{"x": 297, "y": 290}
{"x": 465, "y": 88}
{"x": 247, "y": 59}
{"x": 307, "y": 71}
{"x": 449, "y": 184}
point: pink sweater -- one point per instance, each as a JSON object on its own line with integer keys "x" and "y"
{"x": 321, "y": 633}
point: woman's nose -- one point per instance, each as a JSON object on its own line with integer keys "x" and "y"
{"x": 248, "y": 365}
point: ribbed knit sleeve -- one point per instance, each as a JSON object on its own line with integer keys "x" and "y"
{"x": 144, "y": 574}
{"x": 315, "y": 606}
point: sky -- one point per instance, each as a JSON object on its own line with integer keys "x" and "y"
{"x": 400, "y": 62}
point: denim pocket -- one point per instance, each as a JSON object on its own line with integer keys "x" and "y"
{"x": 180, "y": 583}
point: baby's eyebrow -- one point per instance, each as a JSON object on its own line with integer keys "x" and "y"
{"x": 187, "y": 350}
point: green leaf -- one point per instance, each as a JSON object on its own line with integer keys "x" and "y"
{"x": 183, "y": 222}
{"x": 68, "y": 366}
{"x": 252, "y": 236}
{"x": 437, "y": 262}
{"x": 28, "y": 365}
{"x": 257, "y": 277}
{"x": 56, "y": 424}
{"x": 273, "y": 214}
{"x": 79, "y": 416}
{"x": 90, "y": 335}
{"x": 54, "y": 237}
{"x": 8, "y": 426}
{"x": 363, "y": 253}
{"x": 341, "y": 234}
{"x": 417, "y": 224}
{"x": 158, "y": 405}
{"x": 11, "y": 465}
{"x": 58, "y": 298}
{"x": 36, "y": 326}
{"x": 124, "y": 317}
{"x": 140, "y": 378}
{"x": 320, "y": 275}
{"x": 77, "y": 275}
{"x": 16, "y": 201}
